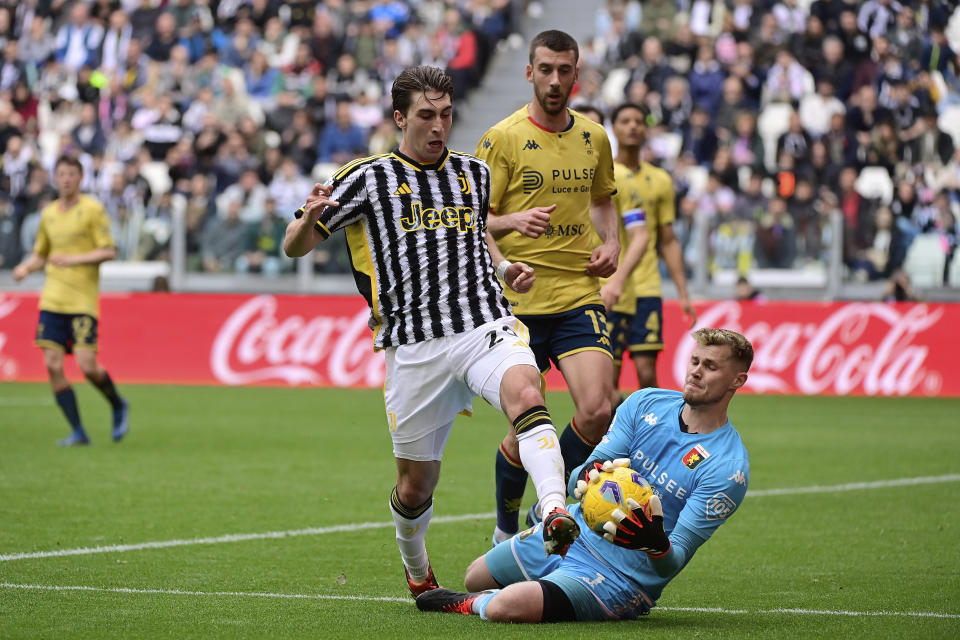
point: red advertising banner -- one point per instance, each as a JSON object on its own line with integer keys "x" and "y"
{"x": 801, "y": 348}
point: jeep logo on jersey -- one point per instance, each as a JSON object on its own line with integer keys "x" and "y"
{"x": 531, "y": 145}
{"x": 416, "y": 217}
{"x": 565, "y": 230}
{"x": 719, "y": 506}
{"x": 532, "y": 180}
{"x": 695, "y": 456}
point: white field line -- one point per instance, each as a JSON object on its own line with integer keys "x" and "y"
{"x": 318, "y": 596}
{"x": 25, "y": 402}
{"x": 315, "y": 531}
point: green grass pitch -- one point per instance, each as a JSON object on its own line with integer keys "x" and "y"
{"x": 202, "y": 464}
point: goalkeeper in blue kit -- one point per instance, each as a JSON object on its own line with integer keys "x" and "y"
{"x": 683, "y": 444}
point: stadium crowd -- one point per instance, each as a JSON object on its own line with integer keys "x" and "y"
{"x": 771, "y": 115}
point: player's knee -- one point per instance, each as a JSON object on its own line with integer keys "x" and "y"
{"x": 413, "y": 494}
{"x": 478, "y": 576}
{"x": 529, "y": 396}
{"x": 90, "y": 371}
{"x": 596, "y": 416}
{"x": 503, "y": 608}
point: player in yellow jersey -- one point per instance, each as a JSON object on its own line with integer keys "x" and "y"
{"x": 551, "y": 208}
{"x": 645, "y": 200}
{"x": 73, "y": 239}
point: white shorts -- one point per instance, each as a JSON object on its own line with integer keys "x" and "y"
{"x": 429, "y": 383}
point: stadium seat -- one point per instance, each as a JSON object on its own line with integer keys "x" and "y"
{"x": 771, "y": 124}
{"x": 953, "y": 274}
{"x": 949, "y": 122}
{"x": 925, "y": 261}
{"x": 874, "y": 183}
{"x": 157, "y": 174}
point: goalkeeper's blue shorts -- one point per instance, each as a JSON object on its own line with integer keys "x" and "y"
{"x": 596, "y": 590}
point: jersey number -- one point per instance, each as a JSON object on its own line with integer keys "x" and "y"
{"x": 496, "y": 338}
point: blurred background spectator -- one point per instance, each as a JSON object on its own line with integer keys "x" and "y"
{"x": 771, "y": 116}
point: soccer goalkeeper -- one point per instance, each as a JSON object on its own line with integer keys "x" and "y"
{"x": 684, "y": 445}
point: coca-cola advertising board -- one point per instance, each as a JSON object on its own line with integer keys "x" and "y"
{"x": 801, "y": 348}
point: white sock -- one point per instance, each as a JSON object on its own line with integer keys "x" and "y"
{"x": 501, "y": 536}
{"x": 411, "y": 538}
{"x": 540, "y": 455}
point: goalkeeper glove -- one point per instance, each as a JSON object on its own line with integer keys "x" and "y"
{"x": 641, "y": 529}
{"x": 591, "y": 474}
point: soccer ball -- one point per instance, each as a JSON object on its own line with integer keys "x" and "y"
{"x": 611, "y": 492}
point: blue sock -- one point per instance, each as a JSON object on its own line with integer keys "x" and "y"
{"x": 511, "y": 481}
{"x": 573, "y": 449}
{"x": 480, "y": 604}
{"x": 68, "y": 404}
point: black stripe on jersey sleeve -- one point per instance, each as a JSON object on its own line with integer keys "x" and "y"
{"x": 457, "y": 258}
{"x": 426, "y": 281}
{"x": 352, "y": 196}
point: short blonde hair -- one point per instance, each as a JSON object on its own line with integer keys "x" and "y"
{"x": 740, "y": 347}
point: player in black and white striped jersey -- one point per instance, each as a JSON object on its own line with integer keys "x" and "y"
{"x": 415, "y": 221}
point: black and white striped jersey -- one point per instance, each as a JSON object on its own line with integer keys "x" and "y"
{"x": 416, "y": 239}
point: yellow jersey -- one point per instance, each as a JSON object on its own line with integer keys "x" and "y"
{"x": 532, "y": 166}
{"x": 82, "y": 228}
{"x": 649, "y": 191}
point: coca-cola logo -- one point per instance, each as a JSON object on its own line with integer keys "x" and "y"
{"x": 860, "y": 347}
{"x": 254, "y": 345}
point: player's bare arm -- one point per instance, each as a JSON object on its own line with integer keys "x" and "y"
{"x": 34, "y": 262}
{"x": 302, "y": 236}
{"x": 638, "y": 239}
{"x": 672, "y": 254}
{"x": 517, "y": 275}
{"x": 90, "y": 257}
{"x": 531, "y": 223}
{"x": 603, "y": 261}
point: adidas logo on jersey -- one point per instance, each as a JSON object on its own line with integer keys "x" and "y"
{"x": 403, "y": 190}
{"x": 531, "y": 144}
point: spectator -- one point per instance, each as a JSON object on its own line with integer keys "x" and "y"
{"x": 250, "y": 193}
{"x": 732, "y": 102}
{"x": 10, "y": 252}
{"x": 39, "y": 45}
{"x": 706, "y": 80}
{"x": 88, "y": 134}
{"x": 263, "y": 244}
{"x": 289, "y": 188}
{"x": 699, "y": 137}
{"x": 795, "y": 142}
{"x": 776, "y": 241}
{"x": 817, "y": 109}
{"x": 746, "y": 145}
{"x": 787, "y": 81}
{"x": 116, "y": 42}
{"x": 78, "y": 41}
{"x": 341, "y": 140}
{"x": 224, "y": 239}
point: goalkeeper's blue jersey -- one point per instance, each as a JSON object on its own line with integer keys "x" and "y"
{"x": 700, "y": 478}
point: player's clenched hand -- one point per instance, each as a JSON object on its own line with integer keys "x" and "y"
{"x": 532, "y": 222}
{"x": 519, "y": 277}
{"x": 20, "y": 272}
{"x": 603, "y": 261}
{"x": 591, "y": 474}
{"x": 610, "y": 292}
{"x": 641, "y": 529}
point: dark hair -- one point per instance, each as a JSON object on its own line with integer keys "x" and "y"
{"x": 629, "y": 105}
{"x": 555, "y": 41}
{"x": 70, "y": 161}
{"x": 414, "y": 79}
{"x": 589, "y": 108}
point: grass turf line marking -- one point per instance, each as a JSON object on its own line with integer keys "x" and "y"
{"x": 319, "y": 596}
{"x": 25, "y": 402}
{"x": 315, "y": 531}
